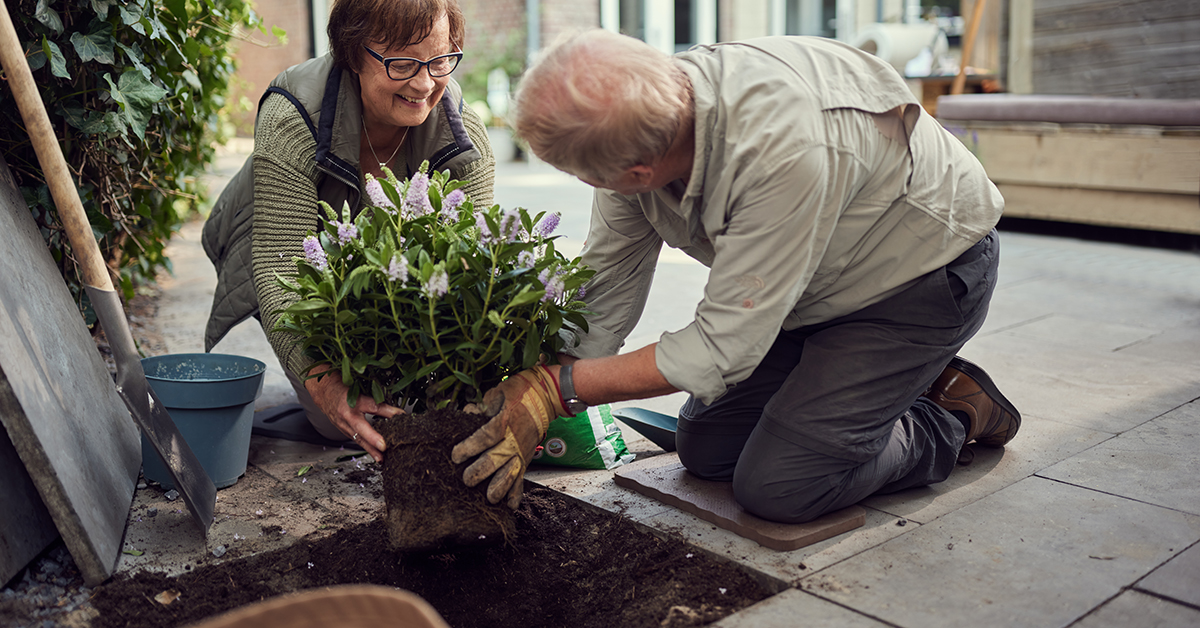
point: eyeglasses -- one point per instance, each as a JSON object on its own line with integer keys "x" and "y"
{"x": 404, "y": 68}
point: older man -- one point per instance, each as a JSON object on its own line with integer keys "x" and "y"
{"x": 852, "y": 254}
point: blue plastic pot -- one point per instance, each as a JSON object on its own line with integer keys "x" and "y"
{"x": 211, "y": 399}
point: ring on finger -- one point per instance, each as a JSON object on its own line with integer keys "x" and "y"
{"x": 355, "y": 437}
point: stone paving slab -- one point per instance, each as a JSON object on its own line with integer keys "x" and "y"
{"x": 1101, "y": 391}
{"x": 1037, "y": 445}
{"x": 1038, "y": 553}
{"x": 793, "y": 608}
{"x": 1179, "y": 579}
{"x": 1132, "y": 608}
{"x": 1154, "y": 463}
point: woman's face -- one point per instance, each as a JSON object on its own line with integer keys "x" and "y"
{"x": 408, "y": 102}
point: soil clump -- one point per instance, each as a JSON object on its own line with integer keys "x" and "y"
{"x": 428, "y": 506}
{"x": 567, "y": 565}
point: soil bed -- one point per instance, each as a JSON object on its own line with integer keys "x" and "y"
{"x": 568, "y": 565}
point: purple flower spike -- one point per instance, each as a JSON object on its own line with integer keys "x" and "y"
{"x": 453, "y": 200}
{"x": 437, "y": 286}
{"x": 548, "y": 224}
{"x": 510, "y": 225}
{"x": 485, "y": 234}
{"x": 526, "y": 259}
{"x": 378, "y": 198}
{"x": 346, "y": 232}
{"x": 397, "y": 269}
{"x": 314, "y": 253}
{"x": 416, "y": 201}
{"x": 553, "y": 283}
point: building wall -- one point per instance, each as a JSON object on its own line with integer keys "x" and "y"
{"x": 261, "y": 58}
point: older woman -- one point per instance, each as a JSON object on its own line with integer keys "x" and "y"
{"x": 382, "y": 97}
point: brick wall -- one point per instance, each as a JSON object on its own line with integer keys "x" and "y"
{"x": 559, "y": 16}
{"x": 258, "y": 63}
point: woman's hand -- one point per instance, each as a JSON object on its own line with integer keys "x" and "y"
{"x": 330, "y": 394}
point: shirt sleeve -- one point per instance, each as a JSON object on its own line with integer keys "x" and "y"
{"x": 775, "y": 234}
{"x": 622, "y": 247}
{"x": 285, "y": 210}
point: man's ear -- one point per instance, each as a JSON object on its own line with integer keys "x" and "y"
{"x": 642, "y": 174}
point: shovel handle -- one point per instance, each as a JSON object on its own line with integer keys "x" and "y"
{"x": 50, "y": 156}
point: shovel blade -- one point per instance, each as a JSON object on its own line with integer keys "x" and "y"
{"x": 188, "y": 474}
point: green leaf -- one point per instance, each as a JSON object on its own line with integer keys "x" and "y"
{"x": 494, "y": 317}
{"x": 305, "y": 469}
{"x": 47, "y": 16}
{"x": 58, "y": 63}
{"x": 178, "y": 8}
{"x": 376, "y": 391}
{"x": 101, "y": 7}
{"x": 307, "y": 306}
{"x": 97, "y": 44}
{"x": 527, "y": 296}
{"x": 532, "y": 348}
{"x": 137, "y": 97}
{"x": 37, "y": 60}
{"x": 133, "y": 552}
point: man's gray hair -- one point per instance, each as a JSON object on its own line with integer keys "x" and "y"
{"x": 596, "y": 103}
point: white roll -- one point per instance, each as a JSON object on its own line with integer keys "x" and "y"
{"x": 897, "y": 44}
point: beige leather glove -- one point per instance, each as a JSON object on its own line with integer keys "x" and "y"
{"x": 521, "y": 408}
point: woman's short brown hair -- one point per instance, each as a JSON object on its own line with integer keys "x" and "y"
{"x": 396, "y": 23}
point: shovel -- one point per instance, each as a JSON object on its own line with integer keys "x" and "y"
{"x": 189, "y": 476}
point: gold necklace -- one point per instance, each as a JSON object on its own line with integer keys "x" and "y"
{"x": 383, "y": 164}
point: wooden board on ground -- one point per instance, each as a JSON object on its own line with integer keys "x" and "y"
{"x": 58, "y": 402}
{"x": 714, "y": 503}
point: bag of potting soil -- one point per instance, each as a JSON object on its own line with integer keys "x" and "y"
{"x": 588, "y": 440}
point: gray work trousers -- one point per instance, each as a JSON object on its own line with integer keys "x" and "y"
{"x": 833, "y": 413}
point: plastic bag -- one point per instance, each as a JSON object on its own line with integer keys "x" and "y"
{"x": 588, "y": 440}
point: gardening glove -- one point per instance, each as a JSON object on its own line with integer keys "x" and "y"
{"x": 521, "y": 409}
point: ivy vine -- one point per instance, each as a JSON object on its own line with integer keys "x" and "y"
{"x": 135, "y": 90}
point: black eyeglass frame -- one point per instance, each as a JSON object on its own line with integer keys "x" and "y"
{"x": 387, "y": 62}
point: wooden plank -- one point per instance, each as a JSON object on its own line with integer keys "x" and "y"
{"x": 1098, "y": 160}
{"x": 1178, "y": 213}
{"x": 1117, "y": 48}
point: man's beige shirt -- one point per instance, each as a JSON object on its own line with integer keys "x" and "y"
{"x": 805, "y": 201}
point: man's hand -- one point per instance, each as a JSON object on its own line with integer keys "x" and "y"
{"x": 521, "y": 409}
{"x": 330, "y": 394}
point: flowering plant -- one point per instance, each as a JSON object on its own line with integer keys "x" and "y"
{"x": 424, "y": 298}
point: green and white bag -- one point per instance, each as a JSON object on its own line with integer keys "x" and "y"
{"x": 588, "y": 440}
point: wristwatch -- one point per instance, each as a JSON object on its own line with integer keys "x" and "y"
{"x": 566, "y": 385}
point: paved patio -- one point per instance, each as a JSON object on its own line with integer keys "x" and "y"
{"x": 1089, "y": 518}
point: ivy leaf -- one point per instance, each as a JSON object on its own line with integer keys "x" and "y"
{"x": 178, "y": 8}
{"x": 135, "y": 56}
{"x": 37, "y": 60}
{"x": 101, "y": 7}
{"x": 58, "y": 63}
{"x": 137, "y": 96}
{"x": 48, "y": 16}
{"x": 97, "y": 44}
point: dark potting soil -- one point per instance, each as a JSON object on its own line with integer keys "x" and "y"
{"x": 567, "y": 565}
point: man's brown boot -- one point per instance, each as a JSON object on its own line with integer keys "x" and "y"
{"x": 964, "y": 387}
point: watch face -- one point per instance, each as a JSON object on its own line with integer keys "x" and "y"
{"x": 575, "y": 406}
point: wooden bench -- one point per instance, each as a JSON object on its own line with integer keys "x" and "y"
{"x": 1122, "y": 162}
